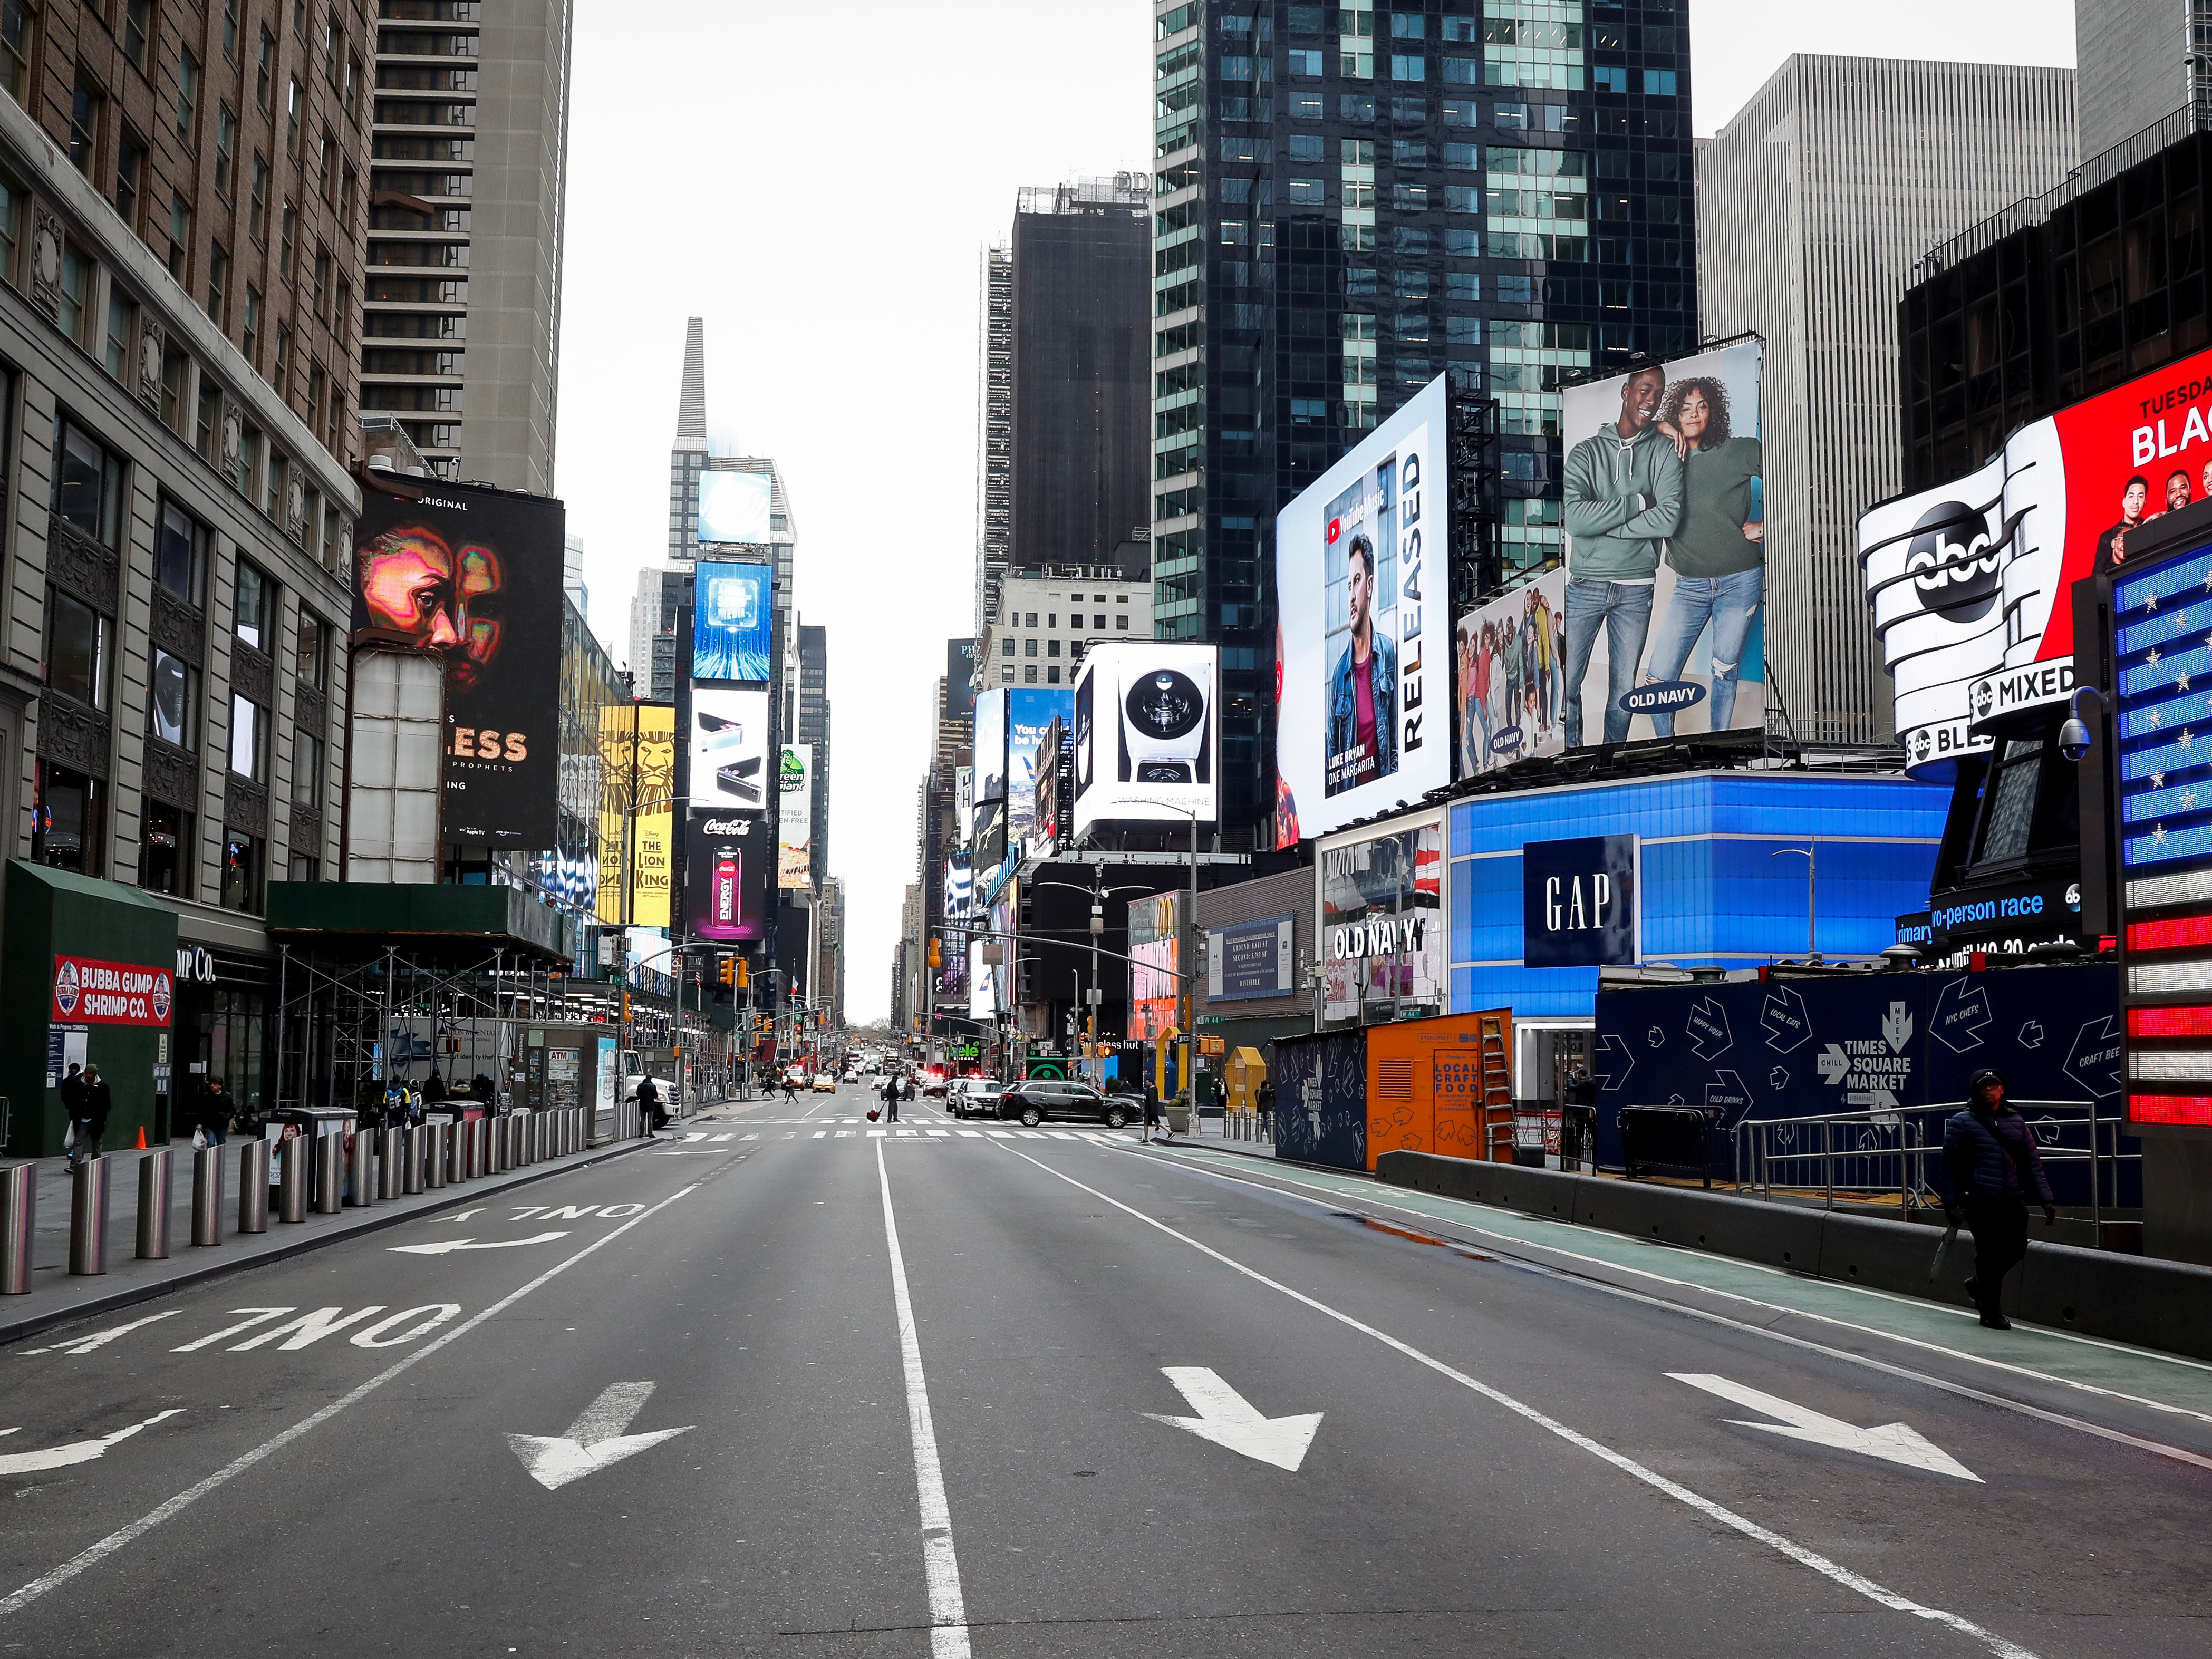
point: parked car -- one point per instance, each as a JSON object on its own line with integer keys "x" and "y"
{"x": 1033, "y": 1100}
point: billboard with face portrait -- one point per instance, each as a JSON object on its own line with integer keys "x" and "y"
{"x": 1971, "y": 582}
{"x": 1363, "y": 596}
{"x": 474, "y": 575}
{"x": 732, "y": 620}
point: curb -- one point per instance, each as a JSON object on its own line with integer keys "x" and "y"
{"x": 1275, "y": 1159}
{"x": 369, "y": 1220}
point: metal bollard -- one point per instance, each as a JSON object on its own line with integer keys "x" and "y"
{"x": 153, "y": 1207}
{"x": 19, "y": 1212}
{"x": 293, "y": 1156}
{"x": 390, "y": 1171}
{"x": 88, "y": 1217}
{"x": 479, "y": 1149}
{"x": 436, "y": 1151}
{"x": 414, "y": 1142}
{"x": 503, "y": 1151}
{"x": 575, "y": 1131}
{"x": 253, "y": 1186}
{"x": 539, "y": 1123}
{"x": 361, "y": 1170}
{"x": 207, "y": 1195}
{"x": 330, "y": 1174}
{"x": 456, "y": 1138}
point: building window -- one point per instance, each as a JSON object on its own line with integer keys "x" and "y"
{"x": 306, "y": 866}
{"x": 15, "y": 41}
{"x": 165, "y": 851}
{"x": 1029, "y": 675}
{"x": 138, "y": 29}
{"x": 241, "y": 872}
{"x": 308, "y": 772}
{"x": 85, "y": 102}
{"x": 280, "y": 368}
{"x": 312, "y": 651}
{"x": 175, "y": 366}
{"x": 66, "y": 817}
{"x": 255, "y": 602}
{"x": 346, "y": 193}
{"x": 250, "y": 334}
{"x": 257, "y": 201}
{"x": 318, "y": 387}
{"x": 230, "y": 29}
{"x": 76, "y": 292}
{"x": 180, "y": 237}
{"x": 129, "y": 176}
{"x": 1052, "y": 648}
{"x": 1007, "y": 676}
{"x": 1031, "y": 623}
{"x": 1659, "y": 83}
{"x": 207, "y": 425}
{"x": 249, "y": 738}
{"x": 88, "y": 488}
{"x": 218, "y": 287}
{"x": 11, "y": 225}
{"x": 122, "y": 328}
{"x": 295, "y": 130}
{"x": 286, "y": 240}
{"x": 1028, "y": 646}
{"x": 1404, "y": 67}
{"x": 188, "y": 95}
{"x": 1609, "y": 80}
{"x": 180, "y": 552}
{"x": 1122, "y": 621}
{"x": 1052, "y": 676}
{"x": 77, "y": 649}
{"x": 321, "y": 298}
{"x": 173, "y": 707}
{"x": 264, "y": 74}
{"x": 273, "y": 477}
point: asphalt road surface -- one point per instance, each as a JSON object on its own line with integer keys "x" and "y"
{"x": 796, "y": 1388}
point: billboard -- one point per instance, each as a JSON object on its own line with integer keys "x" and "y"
{"x": 1362, "y": 590}
{"x": 1383, "y": 924}
{"x": 726, "y": 875}
{"x": 794, "y": 818}
{"x": 729, "y": 749}
{"x": 959, "y": 679}
{"x": 637, "y": 768}
{"x": 1971, "y": 582}
{"x": 732, "y": 619}
{"x": 1048, "y": 814}
{"x": 474, "y": 575}
{"x": 735, "y": 507}
{"x": 1580, "y": 903}
{"x": 1248, "y": 959}
{"x": 1147, "y": 735}
{"x": 1155, "y": 950}
{"x": 991, "y": 746}
{"x": 1029, "y": 711}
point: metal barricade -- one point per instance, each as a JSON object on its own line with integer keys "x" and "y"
{"x": 330, "y": 1173}
{"x": 413, "y": 1141}
{"x": 253, "y": 1187}
{"x": 19, "y": 1215}
{"x": 294, "y": 1156}
{"x": 87, "y": 1252}
{"x": 153, "y": 1206}
{"x": 207, "y": 1195}
{"x": 1668, "y": 1141}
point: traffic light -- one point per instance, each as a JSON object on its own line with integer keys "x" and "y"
{"x": 744, "y": 974}
{"x": 727, "y": 970}
{"x": 936, "y": 951}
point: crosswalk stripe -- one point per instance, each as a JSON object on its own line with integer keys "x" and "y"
{"x": 818, "y": 1134}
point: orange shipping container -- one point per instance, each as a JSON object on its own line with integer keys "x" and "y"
{"x": 1442, "y": 1086}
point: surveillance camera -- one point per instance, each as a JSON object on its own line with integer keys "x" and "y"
{"x": 2073, "y": 740}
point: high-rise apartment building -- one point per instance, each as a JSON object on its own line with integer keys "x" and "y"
{"x": 1353, "y": 200}
{"x": 463, "y": 303}
{"x": 2136, "y": 63}
{"x": 813, "y": 728}
{"x": 1064, "y": 456}
{"x": 826, "y": 961}
{"x": 1791, "y": 250}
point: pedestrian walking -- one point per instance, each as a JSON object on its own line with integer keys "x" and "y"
{"x": 89, "y": 1119}
{"x": 1995, "y": 1172}
{"x": 891, "y": 1098}
{"x": 1152, "y": 1108}
{"x": 790, "y": 1088}
{"x": 648, "y": 1106}
{"x": 909, "y": 1086}
{"x": 216, "y": 1111}
{"x": 72, "y": 1093}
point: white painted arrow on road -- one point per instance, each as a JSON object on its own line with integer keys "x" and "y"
{"x": 448, "y": 1246}
{"x": 1227, "y": 1419}
{"x": 1892, "y": 1443}
{"x": 594, "y": 1440}
{"x": 77, "y": 1451}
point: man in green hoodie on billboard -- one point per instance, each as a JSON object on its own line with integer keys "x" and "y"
{"x": 1624, "y": 498}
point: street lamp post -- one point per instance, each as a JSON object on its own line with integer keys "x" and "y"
{"x": 1808, "y": 853}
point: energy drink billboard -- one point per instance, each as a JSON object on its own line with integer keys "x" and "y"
{"x": 726, "y": 859}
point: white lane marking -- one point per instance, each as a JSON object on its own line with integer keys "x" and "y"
{"x": 948, "y": 1608}
{"x": 77, "y": 1451}
{"x": 594, "y": 1440}
{"x": 308, "y": 1328}
{"x": 1059, "y": 1134}
{"x": 1227, "y": 1419}
{"x": 841, "y": 1133}
{"x": 819, "y": 1134}
{"x": 448, "y": 1246}
{"x": 1000, "y": 1134}
{"x": 876, "y": 1134}
{"x": 730, "y": 1134}
{"x": 970, "y": 1134}
{"x": 1893, "y": 1442}
{"x": 374, "y": 1336}
{"x": 740, "y": 1137}
{"x": 92, "y": 1555}
{"x": 1821, "y": 1563}
{"x": 261, "y": 1316}
{"x": 100, "y": 1339}
{"x": 941, "y": 1134}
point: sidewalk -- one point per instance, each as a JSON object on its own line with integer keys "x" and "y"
{"x": 57, "y": 1297}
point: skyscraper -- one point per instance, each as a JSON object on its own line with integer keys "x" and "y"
{"x": 2137, "y": 62}
{"x": 464, "y": 304}
{"x": 1790, "y": 253}
{"x": 813, "y": 728}
{"x": 1353, "y": 200}
{"x": 687, "y": 456}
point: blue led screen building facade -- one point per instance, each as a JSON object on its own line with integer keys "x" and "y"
{"x": 733, "y": 625}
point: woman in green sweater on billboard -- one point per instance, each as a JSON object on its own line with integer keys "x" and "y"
{"x": 1718, "y": 554}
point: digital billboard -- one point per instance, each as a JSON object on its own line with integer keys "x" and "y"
{"x": 637, "y": 770}
{"x": 735, "y": 507}
{"x": 1249, "y": 959}
{"x": 1147, "y": 735}
{"x": 1363, "y": 601}
{"x": 729, "y": 749}
{"x": 990, "y": 746}
{"x": 474, "y": 575}
{"x": 1029, "y": 711}
{"x": 1155, "y": 991}
{"x": 1971, "y": 582}
{"x": 1383, "y": 924}
{"x": 959, "y": 679}
{"x": 794, "y": 834}
{"x": 727, "y": 856}
{"x": 732, "y": 619}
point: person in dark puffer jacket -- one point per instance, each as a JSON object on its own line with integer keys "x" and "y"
{"x": 1989, "y": 1156}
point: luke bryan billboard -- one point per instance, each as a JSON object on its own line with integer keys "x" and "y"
{"x": 473, "y": 574}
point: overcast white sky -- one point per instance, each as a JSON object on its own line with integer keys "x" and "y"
{"x": 818, "y": 186}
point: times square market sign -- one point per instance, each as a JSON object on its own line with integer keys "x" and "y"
{"x": 1970, "y": 583}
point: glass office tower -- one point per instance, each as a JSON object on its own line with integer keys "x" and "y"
{"x": 1353, "y": 200}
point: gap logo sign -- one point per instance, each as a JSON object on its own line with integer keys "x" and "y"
{"x": 1579, "y": 904}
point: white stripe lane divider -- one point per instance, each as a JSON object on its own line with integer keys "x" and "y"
{"x": 1996, "y": 1644}
{"x": 124, "y": 1536}
{"x": 948, "y": 1606}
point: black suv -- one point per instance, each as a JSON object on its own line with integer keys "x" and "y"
{"x": 1034, "y": 1099}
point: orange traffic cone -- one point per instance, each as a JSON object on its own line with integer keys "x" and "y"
{"x": 142, "y": 1139}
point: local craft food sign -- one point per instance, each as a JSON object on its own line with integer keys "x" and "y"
{"x": 90, "y": 992}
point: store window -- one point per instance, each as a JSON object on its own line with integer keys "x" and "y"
{"x": 173, "y": 710}
{"x": 77, "y": 649}
{"x": 165, "y": 851}
{"x": 180, "y": 552}
{"x": 241, "y": 872}
{"x": 255, "y": 598}
{"x": 87, "y": 487}
{"x": 66, "y": 809}
{"x": 236, "y": 1052}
